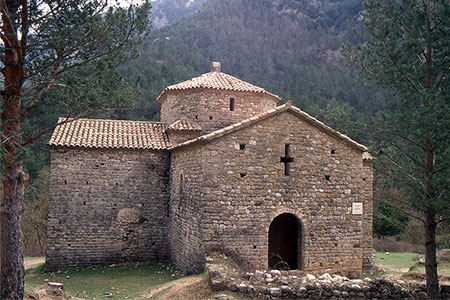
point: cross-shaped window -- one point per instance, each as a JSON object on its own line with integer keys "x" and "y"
{"x": 287, "y": 159}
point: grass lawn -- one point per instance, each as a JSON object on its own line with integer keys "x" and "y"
{"x": 125, "y": 281}
{"x": 397, "y": 262}
{"x": 407, "y": 264}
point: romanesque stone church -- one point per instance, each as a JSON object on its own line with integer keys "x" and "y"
{"x": 225, "y": 169}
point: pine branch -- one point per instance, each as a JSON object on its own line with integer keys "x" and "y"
{"x": 440, "y": 169}
{"x": 389, "y": 132}
{"x": 48, "y": 86}
{"x": 24, "y": 27}
{"x": 394, "y": 62}
{"x": 418, "y": 163}
{"x": 66, "y": 120}
{"x": 6, "y": 13}
{"x": 405, "y": 212}
{"x": 441, "y": 76}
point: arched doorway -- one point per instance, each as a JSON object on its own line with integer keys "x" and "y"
{"x": 285, "y": 242}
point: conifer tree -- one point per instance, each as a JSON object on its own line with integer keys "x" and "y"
{"x": 406, "y": 48}
{"x": 55, "y": 55}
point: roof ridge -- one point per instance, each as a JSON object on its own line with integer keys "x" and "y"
{"x": 218, "y": 81}
{"x": 110, "y": 120}
{"x": 288, "y": 106}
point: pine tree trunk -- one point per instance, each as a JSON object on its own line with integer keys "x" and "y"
{"x": 12, "y": 268}
{"x": 430, "y": 257}
{"x": 14, "y": 178}
{"x": 430, "y": 224}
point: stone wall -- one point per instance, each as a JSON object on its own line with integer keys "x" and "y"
{"x": 211, "y": 108}
{"x": 244, "y": 187}
{"x": 367, "y": 186}
{"x": 224, "y": 276}
{"x": 106, "y": 206}
{"x": 179, "y": 136}
{"x": 186, "y": 200}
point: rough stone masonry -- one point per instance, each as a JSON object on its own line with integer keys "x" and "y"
{"x": 225, "y": 169}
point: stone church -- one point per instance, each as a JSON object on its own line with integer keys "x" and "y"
{"x": 225, "y": 169}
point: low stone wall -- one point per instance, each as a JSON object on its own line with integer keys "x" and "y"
{"x": 276, "y": 284}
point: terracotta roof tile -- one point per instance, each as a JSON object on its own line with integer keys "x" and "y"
{"x": 184, "y": 124}
{"x": 219, "y": 81}
{"x": 368, "y": 156}
{"x": 96, "y": 133}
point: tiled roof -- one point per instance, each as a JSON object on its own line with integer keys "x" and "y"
{"x": 184, "y": 124}
{"x": 218, "y": 81}
{"x": 93, "y": 133}
{"x": 288, "y": 106}
{"x": 368, "y": 156}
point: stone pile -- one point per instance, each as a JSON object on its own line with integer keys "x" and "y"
{"x": 276, "y": 284}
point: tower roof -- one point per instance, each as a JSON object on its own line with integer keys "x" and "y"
{"x": 217, "y": 80}
{"x": 184, "y": 124}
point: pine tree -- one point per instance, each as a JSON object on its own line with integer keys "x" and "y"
{"x": 407, "y": 49}
{"x": 54, "y": 55}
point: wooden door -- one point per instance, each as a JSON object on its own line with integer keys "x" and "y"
{"x": 283, "y": 242}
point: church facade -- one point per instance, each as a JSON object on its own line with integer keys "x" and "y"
{"x": 225, "y": 170}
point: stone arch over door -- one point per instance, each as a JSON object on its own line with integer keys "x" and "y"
{"x": 285, "y": 242}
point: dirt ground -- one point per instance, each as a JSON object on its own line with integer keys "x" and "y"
{"x": 34, "y": 262}
{"x": 174, "y": 289}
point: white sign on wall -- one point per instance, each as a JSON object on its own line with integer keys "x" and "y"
{"x": 357, "y": 208}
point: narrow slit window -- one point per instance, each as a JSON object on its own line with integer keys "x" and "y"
{"x": 232, "y": 101}
{"x": 327, "y": 177}
{"x": 181, "y": 186}
{"x": 241, "y": 146}
{"x": 243, "y": 175}
{"x": 333, "y": 151}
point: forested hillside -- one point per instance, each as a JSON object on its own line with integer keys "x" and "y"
{"x": 290, "y": 47}
{"x": 165, "y": 12}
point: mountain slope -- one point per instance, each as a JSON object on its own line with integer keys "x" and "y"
{"x": 165, "y": 12}
{"x": 289, "y": 47}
